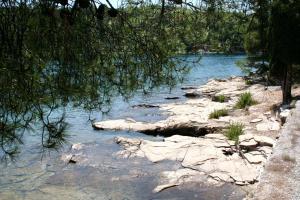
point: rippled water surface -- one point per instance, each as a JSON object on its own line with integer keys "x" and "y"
{"x": 45, "y": 176}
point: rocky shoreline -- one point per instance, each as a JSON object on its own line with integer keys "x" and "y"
{"x": 198, "y": 142}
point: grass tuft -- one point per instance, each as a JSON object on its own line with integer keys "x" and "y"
{"x": 219, "y": 98}
{"x": 234, "y": 130}
{"x": 218, "y": 113}
{"x": 245, "y": 100}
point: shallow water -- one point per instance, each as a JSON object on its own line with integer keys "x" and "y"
{"x": 44, "y": 176}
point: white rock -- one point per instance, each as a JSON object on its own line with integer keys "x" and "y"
{"x": 267, "y": 126}
{"x": 262, "y": 127}
{"x": 265, "y": 149}
{"x": 285, "y": 113}
{"x": 264, "y": 141}
{"x": 255, "y": 159}
{"x": 77, "y": 146}
{"x": 221, "y": 177}
{"x": 215, "y": 136}
{"x": 245, "y": 137}
{"x": 275, "y": 126}
{"x": 248, "y": 144}
{"x": 256, "y": 120}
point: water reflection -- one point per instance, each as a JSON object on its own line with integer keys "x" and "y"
{"x": 52, "y": 57}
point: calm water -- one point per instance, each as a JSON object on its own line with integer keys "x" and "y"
{"x": 44, "y": 176}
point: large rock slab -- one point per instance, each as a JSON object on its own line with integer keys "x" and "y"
{"x": 202, "y": 156}
{"x": 211, "y": 154}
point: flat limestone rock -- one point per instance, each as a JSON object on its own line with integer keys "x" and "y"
{"x": 268, "y": 126}
{"x": 180, "y": 138}
{"x": 123, "y": 124}
{"x": 158, "y": 151}
{"x": 250, "y": 144}
{"x": 196, "y": 155}
{"x": 255, "y": 159}
{"x": 239, "y": 170}
{"x": 208, "y": 153}
{"x": 215, "y": 136}
{"x": 221, "y": 177}
{"x": 264, "y": 140}
{"x": 266, "y": 150}
{"x": 246, "y": 137}
{"x": 178, "y": 177}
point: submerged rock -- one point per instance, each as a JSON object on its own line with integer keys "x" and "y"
{"x": 171, "y": 98}
{"x": 188, "y": 88}
{"x": 193, "y": 94}
{"x": 145, "y": 106}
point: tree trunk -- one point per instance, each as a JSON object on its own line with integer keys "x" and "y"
{"x": 287, "y": 86}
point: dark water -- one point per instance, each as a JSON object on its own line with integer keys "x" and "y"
{"x": 44, "y": 176}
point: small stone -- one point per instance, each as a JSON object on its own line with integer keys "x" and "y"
{"x": 130, "y": 120}
{"x": 275, "y": 126}
{"x": 284, "y": 114}
{"x": 77, "y": 146}
{"x": 250, "y": 144}
{"x": 256, "y": 120}
{"x": 241, "y": 183}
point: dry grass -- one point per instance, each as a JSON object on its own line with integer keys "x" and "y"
{"x": 288, "y": 158}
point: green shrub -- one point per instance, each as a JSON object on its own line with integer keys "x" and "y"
{"x": 218, "y": 113}
{"x": 248, "y": 82}
{"x": 234, "y": 130}
{"x": 245, "y": 99}
{"x": 220, "y": 98}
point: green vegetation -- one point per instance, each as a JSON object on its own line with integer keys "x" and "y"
{"x": 248, "y": 82}
{"x": 234, "y": 130}
{"x": 219, "y": 98}
{"x": 245, "y": 100}
{"x": 218, "y": 113}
